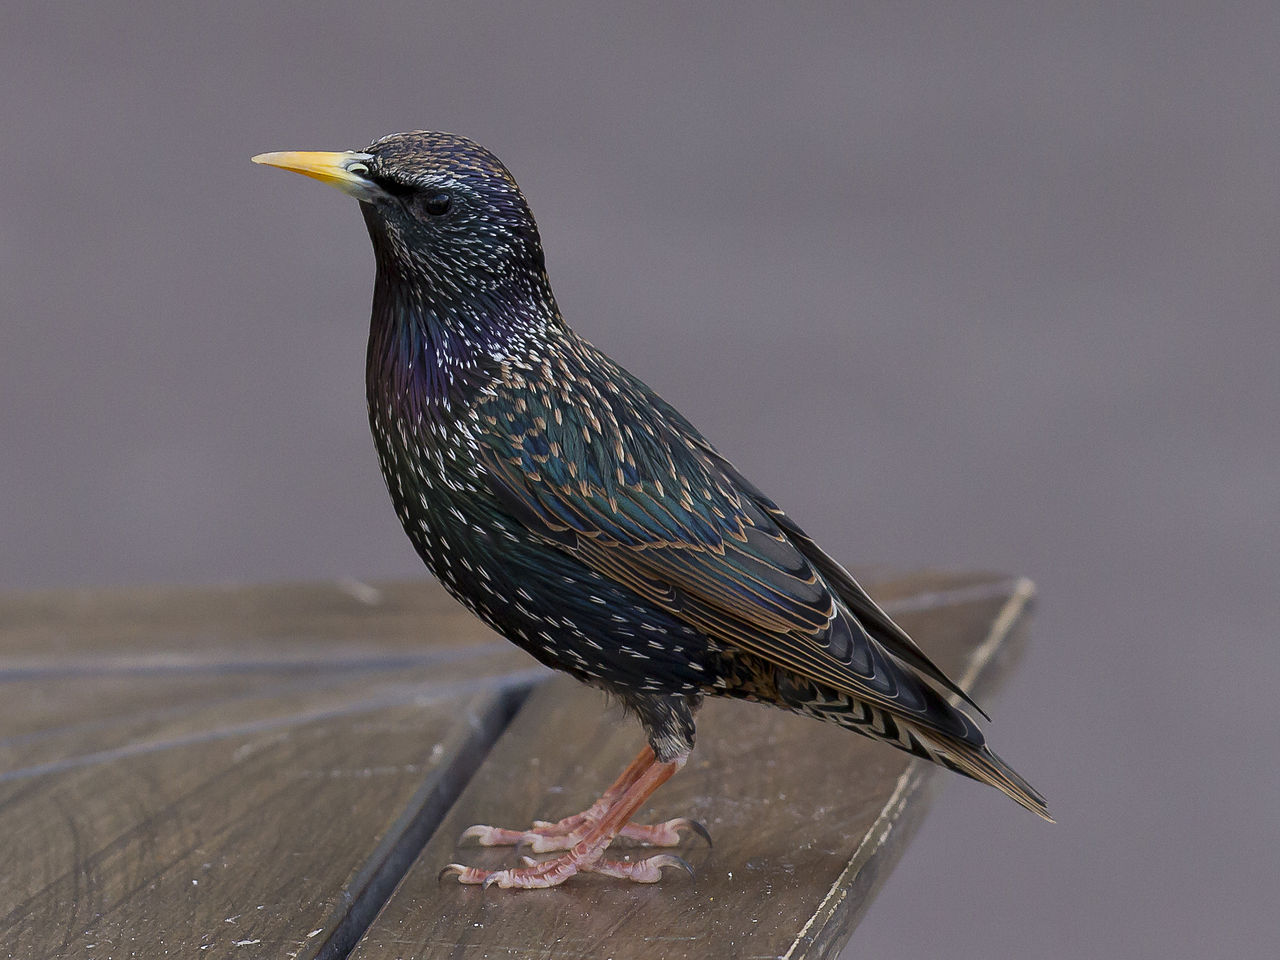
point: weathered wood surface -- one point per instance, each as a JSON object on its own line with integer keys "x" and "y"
{"x": 249, "y": 772}
{"x": 222, "y": 773}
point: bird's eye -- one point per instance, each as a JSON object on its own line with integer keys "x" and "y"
{"x": 437, "y": 203}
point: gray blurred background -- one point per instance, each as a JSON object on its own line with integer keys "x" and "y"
{"x": 986, "y": 285}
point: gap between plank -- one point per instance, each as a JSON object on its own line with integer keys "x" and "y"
{"x": 403, "y": 843}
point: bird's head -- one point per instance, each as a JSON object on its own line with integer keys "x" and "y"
{"x": 443, "y": 211}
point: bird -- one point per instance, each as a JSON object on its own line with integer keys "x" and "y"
{"x": 584, "y": 518}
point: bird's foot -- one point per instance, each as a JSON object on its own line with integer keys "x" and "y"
{"x": 544, "y": 837}
{"x": 535, "y": 875}
{"x": 585, "y": 836}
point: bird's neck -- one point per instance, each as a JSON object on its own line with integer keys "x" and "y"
{"x": 433, "y": 348}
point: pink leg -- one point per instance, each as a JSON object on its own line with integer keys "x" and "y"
{"x": 645, "y": 775}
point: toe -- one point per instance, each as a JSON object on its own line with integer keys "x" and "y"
{"x": 665, "y": 834}
{"x": 648, "y": 870}
{"x": 464, "y": 873}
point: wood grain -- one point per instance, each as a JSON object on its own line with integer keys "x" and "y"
{"x": 230, "y": 772}
{"x": 807, "y": 818}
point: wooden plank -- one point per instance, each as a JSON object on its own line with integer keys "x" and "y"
{"x": 175, "y": 628}
{"x": 807, "y": 818}
{"x": 249, "y": 771}
{"x": 235, "y": 772}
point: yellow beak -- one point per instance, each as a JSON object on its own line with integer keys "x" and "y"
{"x": 345, "y": 170}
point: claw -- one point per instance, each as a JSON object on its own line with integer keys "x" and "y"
{"x": 493, "y": 836}
{"x": 486, "y": 835}
{"x": 464, "y": 873}
{"x": 684, "y": 823}
{"x": 665, "y": 834}
{"x": 700, "y": 830}
{"x": 671, "y": 860}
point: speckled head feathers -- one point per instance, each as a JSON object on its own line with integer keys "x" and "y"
{"x": 447, "y": 211}
{"x": 426, "y": 156}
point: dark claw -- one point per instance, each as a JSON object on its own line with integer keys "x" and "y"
{"x": 701, "y": 831}
{"x": 519, "y": 848}
{"x": 454, "y": 868}
{"x": 671, "y": 860}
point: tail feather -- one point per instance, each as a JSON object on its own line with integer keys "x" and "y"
{"x": 979, "y": 763}
{"x": 972, "y": 757}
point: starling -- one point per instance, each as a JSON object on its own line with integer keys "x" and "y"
{"x": 585, "y": 519}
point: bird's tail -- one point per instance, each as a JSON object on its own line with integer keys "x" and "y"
{"x": 979, "y": 763}
{"x": 967, "y": 754}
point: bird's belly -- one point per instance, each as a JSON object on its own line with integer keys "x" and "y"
{"x": 541, "y": 597}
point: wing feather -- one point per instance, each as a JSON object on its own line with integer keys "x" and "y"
{"x": 648, "y": 502}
